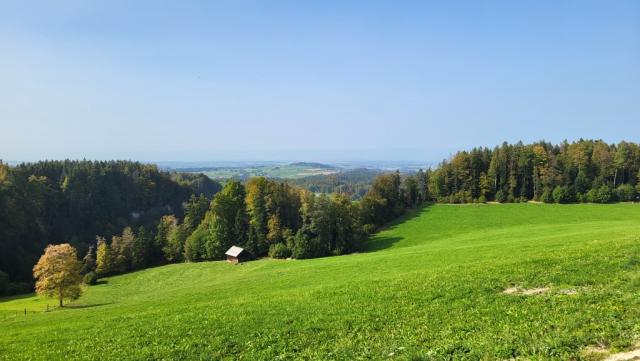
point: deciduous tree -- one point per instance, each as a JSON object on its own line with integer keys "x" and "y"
{"x": 57, "y": 273}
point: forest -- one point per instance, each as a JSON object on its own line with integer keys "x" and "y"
{"x": 266, "y": 218}
{"x": 53, "y": 202}
{"x": 582, "y": 171}
{"x": 125, "y": 216}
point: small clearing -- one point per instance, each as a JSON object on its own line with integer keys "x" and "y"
{"x": 526, "y": 292}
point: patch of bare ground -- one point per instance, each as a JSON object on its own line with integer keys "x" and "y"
{"x": 511, "y": 291}
{"x": 624, "y": 356}
{"x": 603, "y": 353}
{"x": 568, "y": 292}
{"x": 519, "y": 291}
{"x": 535, "y": 291}
{"x": 525, "y": 291}
{"x": 594, "y": 352}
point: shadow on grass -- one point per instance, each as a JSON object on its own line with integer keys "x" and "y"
{"x": 101, "y": 282}
{"x": 380, "y": 243}
{"x": 16, "y": 297}
{"x": 80, "y": 306}
{"x": 377, "y": 243}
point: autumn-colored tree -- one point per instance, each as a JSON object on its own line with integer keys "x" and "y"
{"x": 57, "y": 273}
{"x": 122, "y": 247}
{"x": 104, "y": 257}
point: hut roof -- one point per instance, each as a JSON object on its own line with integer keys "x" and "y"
{"x": 234, "y": 251}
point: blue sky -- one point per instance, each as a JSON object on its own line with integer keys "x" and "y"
{"x": 321, "y": 80}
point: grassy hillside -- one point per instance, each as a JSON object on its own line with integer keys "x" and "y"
{"x": 430, "y": 287}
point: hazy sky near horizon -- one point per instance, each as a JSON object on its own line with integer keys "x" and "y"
{"x": 312, "y": 80}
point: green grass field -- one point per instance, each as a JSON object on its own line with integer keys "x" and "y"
{"x": 430, "y": 287}
{"x": 285, "y": 171}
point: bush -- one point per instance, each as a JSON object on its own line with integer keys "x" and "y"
{"x": 561, "y": 194}
{"x": 547, "y": 196}
{"x": 581, "y": 197}
{"x": 90, "y": 278}
{"x": 482, "y": 199}
{"x": 369, "y": 228}
{"x": 600, "y": 195}
{"x": 501, "y": 196}
{"x": 625, "y": 193}
{"x": 307, "y": 246}
{"x": 279, "y": 250}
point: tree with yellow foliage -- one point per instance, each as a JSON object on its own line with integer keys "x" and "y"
{"x": 57, "y": 273}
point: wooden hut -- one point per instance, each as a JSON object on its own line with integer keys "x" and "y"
{"x": 236, "y": 255}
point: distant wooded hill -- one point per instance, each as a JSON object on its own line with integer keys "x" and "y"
{"x": 73, "y": 201}
{"x": 353, "y": 182}
{"x": 312, "y": 165}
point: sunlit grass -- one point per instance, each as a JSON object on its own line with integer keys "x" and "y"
{"x": 429, "y": 287}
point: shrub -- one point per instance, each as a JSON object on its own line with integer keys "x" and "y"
{"x": 601, "y": 195}
{"x": 279, "y": 250}
{"x": 482, "y": 199}
{"x": 90, "y": 278}
{"x": 625, "y": 193}
{"x": 581, "y": 197}
{"x": 547, "y": 196}
{"x": 563, "y": 194}
{"x": 501, "y": 196}
{"x": 369, "y": 228}
{"x": 307, "y": 246}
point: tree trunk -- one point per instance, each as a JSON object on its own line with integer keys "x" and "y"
{"x": 61, "y": 297}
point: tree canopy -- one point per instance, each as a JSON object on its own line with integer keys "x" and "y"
{"x": 57, "y": 273}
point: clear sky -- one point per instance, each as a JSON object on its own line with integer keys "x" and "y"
{"x": 313, "y": 80}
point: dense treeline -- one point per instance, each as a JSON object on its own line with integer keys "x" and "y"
{"x": 266, "y": 218}
{"x": 582, "y": 171}
{"x": 54, "y": 202}
{"x": 354, "y": 182}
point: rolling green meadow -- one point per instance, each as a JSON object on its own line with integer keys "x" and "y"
{"x": 429, "y": 287}
{"x": 283, "y": 171}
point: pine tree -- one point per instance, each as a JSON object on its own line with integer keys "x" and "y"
{"x": 141, "y": 250}
{"x": 89, "y": 261}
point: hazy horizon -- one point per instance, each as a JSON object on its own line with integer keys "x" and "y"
{"x": 412, "y": 156}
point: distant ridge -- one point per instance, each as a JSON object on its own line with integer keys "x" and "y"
{"x": 312, "y": 165}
